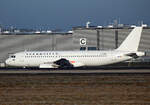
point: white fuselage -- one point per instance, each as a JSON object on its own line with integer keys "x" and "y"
{"x": 76, "y": 58}
{"x": 53, "y": 59}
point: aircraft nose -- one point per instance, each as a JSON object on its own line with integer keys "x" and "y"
{"x": 7, "y": 61}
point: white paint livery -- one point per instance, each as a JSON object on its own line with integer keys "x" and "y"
{"x": 55, "y": 59}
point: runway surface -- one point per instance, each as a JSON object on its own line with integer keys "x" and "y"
{"x": 73, "y": 71}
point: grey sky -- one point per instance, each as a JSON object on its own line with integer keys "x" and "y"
{"x": 64, "y": 14}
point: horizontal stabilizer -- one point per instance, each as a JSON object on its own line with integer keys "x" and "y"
{"x": 133, "y": 55}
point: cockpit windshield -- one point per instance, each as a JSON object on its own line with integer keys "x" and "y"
{"x": 12, "y": 56}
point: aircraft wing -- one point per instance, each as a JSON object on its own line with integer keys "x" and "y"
{"x": 61, "y": 63}
{"x": 66, "y": 63}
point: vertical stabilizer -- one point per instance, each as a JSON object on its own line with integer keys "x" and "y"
{"x": 131, "y": 43}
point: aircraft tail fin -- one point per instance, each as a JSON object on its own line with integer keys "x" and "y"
{"x": 131, "y": 43}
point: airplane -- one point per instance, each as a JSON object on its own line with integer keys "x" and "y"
{"x": 59, "y": 59}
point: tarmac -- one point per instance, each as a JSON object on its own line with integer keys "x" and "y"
{"x": 75, "y": 71}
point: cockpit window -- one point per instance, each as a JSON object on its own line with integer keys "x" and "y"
{"x": 13, "y": 56}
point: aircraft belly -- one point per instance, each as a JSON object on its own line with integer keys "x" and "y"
{"x": 95, "y": 61}
{"x": 102, "y": 61}
{"x": 33, "y": 62}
